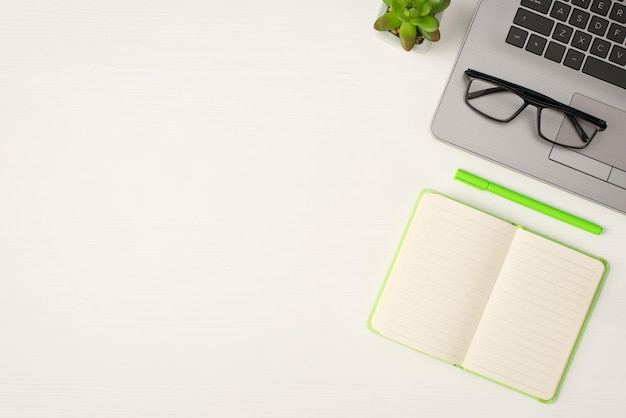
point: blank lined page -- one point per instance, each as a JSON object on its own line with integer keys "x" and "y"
{"x": 535, "y": 315}
{"x": 442, "y": 278}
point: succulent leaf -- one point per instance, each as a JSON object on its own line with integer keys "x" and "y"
{"x": 439, "y": 5}
{"x": 395, "y": 6}
{"x": 388, "y": 21}
{"x": 412, "y": 13}
{"x": 431, "y": 36}
{"x": 407, "y": 35}
{"x": 425, "y": 9}
{"x": 427, "y": 24}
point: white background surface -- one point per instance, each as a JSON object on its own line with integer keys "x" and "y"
{"x": 199, "y": 202}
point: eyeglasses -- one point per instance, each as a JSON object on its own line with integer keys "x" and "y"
{"x": 557, "y": 123}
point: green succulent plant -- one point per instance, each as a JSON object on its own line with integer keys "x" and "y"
{"x": 410, "y": 17}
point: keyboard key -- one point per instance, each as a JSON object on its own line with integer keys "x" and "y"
{"x": 600, "y": 48}
{"x": 581, "y": 3}
{"x": 536, "y": 44}
{"x": 560, "y": 11}
{"x": 517, "y": 37}
{"x": 574, "y": 59}
{"x": 539, "y": 5}
{"x": 605, "y": 71}
{"x": 617, "y": 33}
{"x": 533, "y": 21}
{"x": 581, "y": 40}
{"x": 618, "y": 13}
{"x": 555, "y": 51}
{"x": 562, "y": 33}
{"x": 598, "y": 25}
{"x": 618, "y": 55}
{"x": 601, "y": 7}
{"x": 579, "y": 18}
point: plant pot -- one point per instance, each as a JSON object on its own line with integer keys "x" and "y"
{"x": 392, "y": 39}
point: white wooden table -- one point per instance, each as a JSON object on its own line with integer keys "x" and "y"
{"x": 199, "y": 201}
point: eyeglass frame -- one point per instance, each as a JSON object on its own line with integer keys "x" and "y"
{"x": 540, "y": 102}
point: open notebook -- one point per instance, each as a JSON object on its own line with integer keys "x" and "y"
{"x": 488, "y": 296}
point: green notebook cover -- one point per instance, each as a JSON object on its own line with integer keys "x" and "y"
{"x": 488, "y": 296}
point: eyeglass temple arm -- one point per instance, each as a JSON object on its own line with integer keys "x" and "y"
{"x": 579, "y": 129}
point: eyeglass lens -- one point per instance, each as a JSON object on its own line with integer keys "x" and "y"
{"x": 502, "y": 104}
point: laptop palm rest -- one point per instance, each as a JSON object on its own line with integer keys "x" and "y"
{"x": 605, "y": 158}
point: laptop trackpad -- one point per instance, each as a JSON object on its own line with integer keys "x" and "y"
{"x": 605, "y": 157}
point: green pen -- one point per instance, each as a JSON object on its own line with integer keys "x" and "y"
{"x": 482, "y": 184}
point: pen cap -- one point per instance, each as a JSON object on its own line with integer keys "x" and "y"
{"x": 471, "y": 179}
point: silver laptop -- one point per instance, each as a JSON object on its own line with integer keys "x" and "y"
{"x": 526, "y": 55}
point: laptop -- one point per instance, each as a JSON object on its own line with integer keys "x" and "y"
{"x": 572, "y": 51}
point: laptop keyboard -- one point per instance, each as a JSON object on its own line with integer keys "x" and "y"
{"x": 584, "y": 35}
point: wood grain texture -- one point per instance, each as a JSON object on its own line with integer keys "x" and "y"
{"x": 198, "y": 203}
